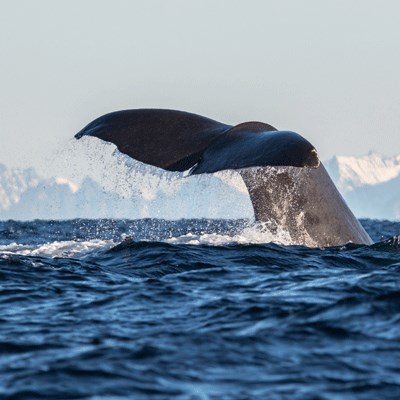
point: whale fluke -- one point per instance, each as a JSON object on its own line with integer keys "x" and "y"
{"x": 288, "y": 186}
{"x": 168, "y": 139}
{"x": 177, "y": 141}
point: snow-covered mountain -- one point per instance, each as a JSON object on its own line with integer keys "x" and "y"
{"x": 14, "y": 182}
{"x": 26, "y": 196}
{"x": 350, "y": 173}
{"x": 370, "y": 185}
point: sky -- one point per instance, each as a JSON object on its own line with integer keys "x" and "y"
{"x": 326, "y": 69}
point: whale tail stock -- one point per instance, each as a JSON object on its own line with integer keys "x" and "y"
{"x": 306, "y": 203}
{"x": 287, "y": 185}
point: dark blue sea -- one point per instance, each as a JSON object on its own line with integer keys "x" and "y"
{"x": 198, "y": 309}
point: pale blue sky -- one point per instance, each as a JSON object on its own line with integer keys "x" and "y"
{"x": 326, "y": 69}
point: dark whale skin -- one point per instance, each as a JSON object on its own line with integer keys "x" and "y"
{"x": 288, "y": 187}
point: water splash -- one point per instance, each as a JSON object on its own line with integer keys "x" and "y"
{"x": 138, "y": 190}
{"x": 64, "y": 248}
{"x": 258, "y": 233}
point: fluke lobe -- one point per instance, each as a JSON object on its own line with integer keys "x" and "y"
{"x": 288, "y": 186}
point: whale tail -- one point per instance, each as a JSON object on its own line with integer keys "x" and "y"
{"x": 303, "y": 200}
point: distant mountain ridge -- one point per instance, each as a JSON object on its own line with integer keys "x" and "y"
{"x": 370, "y": 185}
{"x": 25, "y": 196}
{"x": 13, "y": 183}
{"x": 372, "y": 169}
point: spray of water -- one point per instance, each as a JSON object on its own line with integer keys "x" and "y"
{"x": 135, "y": 190}
{"x": 109, "y": 184}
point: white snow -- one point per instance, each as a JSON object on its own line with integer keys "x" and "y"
{"x": 370, "y": 184}
{"x": 128, "y": 189}
{"x": 60, "y": 180}
{"x": 124, "y": 190}
{"x": 372, "y": 169}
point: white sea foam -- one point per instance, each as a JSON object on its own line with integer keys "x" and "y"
{"x": 256, "y": 234}
{"x": 67, "y": 248}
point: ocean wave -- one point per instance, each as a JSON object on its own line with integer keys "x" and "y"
{"x": 194, "y": 309}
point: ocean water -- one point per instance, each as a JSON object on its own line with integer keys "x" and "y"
{"x": 198, "y": 309}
